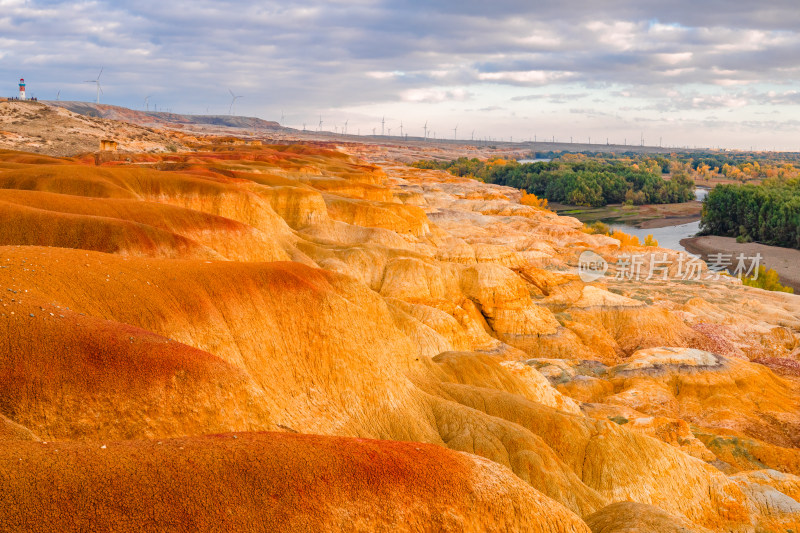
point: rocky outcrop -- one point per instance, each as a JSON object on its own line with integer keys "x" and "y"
{"x": 625, "y": 517}
{"x": 245, "y": 288}
{"x": 38, "y": 127}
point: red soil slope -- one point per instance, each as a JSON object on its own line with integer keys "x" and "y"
{"x": 243, "y": 288}
{"x": 262, "y": 318}
{"x": 74, "y": 376}
{"x": 265, "y": 482}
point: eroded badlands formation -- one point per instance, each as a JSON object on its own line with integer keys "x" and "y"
{"x": 288, "y": 338}
{"x": 43, "y": 129}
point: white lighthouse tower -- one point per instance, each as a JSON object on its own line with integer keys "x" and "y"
{"x": 22, "y": 88}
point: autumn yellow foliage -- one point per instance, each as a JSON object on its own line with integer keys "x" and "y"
{"x": 767, "y": 279}
{"x": 596, "y": 228}
{"x": 600, "y": 228}
{"x": 625, "y": 239}
{"x": 533, "y": 200}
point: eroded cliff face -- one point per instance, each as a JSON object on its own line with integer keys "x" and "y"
{"x": 265, "y": 293}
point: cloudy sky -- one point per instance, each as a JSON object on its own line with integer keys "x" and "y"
{"x": 685, "y": 72}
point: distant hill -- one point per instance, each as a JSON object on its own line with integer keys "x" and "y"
{"x": 56, "y": 131}
{"x": 160, "y": 119}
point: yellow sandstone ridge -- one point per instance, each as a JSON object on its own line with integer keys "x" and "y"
{"x": 328, "y": 301}
{"x": 627, "y": 517}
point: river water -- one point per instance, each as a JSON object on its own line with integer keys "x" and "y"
{"x": 668, "y": 236}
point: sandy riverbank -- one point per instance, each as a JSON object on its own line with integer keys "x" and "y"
{"x": 784, "y": 261}
{"x": 668, "y": 221}
{"x": 642, "y": 216}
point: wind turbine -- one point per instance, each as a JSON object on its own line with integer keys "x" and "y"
{"x": 345, "y": 126}
{"x": 425, "y": 129}
{"x": 58, "y": 96}
{"x": 147, "y": 103}
{"x": 401, "y": 128}
{"x": 455, "y": 133}
{"x": 319, "y": 126}
{"x": 233, "y": 101}
{"x": 282, "y": 117}
{"x": 383, "y": 124}
{"x": 96, "y": 81}
{"x": 472, "y": 137}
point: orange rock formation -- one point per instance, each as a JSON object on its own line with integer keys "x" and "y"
{"x": 191, "y": 320}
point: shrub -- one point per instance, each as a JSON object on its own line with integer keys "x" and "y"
{"x": 650, "y": 241}
{"x": 597, "y": 228}
{"x": 625, "y": 239}
{"x": 767, "y": 279}
{"x": 532, "y": 200}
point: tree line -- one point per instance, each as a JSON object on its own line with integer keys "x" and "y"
{"x": 768, "y": 213}
{"x": 740, "y": 166}
{"x": 583, "y": 182}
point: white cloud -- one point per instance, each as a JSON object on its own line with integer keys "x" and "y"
{"x": 618, "y": 35}
{"x": 433, "y": 95}
{"x": 314, "y": 56}
{"x": 382, "y": 75}
{"x": 530, "y": 77}
{"x": 674, "y": 58}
